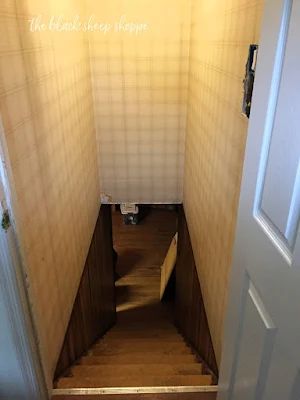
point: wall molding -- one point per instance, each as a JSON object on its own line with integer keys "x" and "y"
{"x": 15, "y": 292}
{"x": 15, "y": 299}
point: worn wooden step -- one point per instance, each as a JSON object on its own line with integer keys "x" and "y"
{"x": 134, "y": 381}
{"x": 142, "y": 348}
{"x": 140, "y": 329}
{"x": 136, "y": 335}
{"x": 94, "y": 371}
{"x": 130, "y": 342}
{"x": 138, "y": 358}
{"x": 143, "y": 333}
{"x": 196, "y": 395}
{"x": 142, "y": 324}
{"x": 145, "y": 352}
{"x": 144, "y": 316}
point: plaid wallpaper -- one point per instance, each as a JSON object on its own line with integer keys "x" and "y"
{"x": 140, "y": 89}
{"x": 146, "y": 88}
{"x": 216, "y": 133}
{"x": 46, "y": 107}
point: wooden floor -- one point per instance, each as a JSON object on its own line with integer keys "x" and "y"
{"x": 141, "y": 249}
{"x": 144, "y": 349}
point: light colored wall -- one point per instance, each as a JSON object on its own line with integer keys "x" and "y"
{"x": 47, "y": 111}
{"x": 140, "y": 90}
{"x": 216, "y": 132}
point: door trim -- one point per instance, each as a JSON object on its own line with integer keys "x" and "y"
{"x": 14, "y": 290}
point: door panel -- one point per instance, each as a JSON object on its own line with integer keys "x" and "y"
{"x": 295, "y": 391}
{"x": 280, "y": 206}
{"x": 261, "y": 357}
{"x": 255, "y": 344}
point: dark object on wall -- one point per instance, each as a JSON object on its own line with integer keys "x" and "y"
{"x": 249, "y": 79}
{"x": 190, "y": 315}
{"x": 94, "y": 310}
{"x": 5, "y": 221}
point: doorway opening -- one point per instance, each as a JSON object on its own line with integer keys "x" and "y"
{"x": 156, "y": 343}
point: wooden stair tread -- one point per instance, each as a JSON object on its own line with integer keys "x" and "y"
{"x": 145, "y": 328}
{"x": 143, "y": 351}
{"x": 142, "y": 325}
{"x": 137, "y": 358}
{"x": 140, "y": 345}
{"x": 139, "y": 336}
{"x": 130, "y": 325}
{"x": 151, "y": 341}
{"x": 144, "y": 332}
{"x": 134, "y": 381}
{"x": 93, "y": 371}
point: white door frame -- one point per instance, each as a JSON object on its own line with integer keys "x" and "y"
{"x": 272, "y": 49}
{"x": 15, "y": 295}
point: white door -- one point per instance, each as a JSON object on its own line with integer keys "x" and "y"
{"x": 261, "y": 356}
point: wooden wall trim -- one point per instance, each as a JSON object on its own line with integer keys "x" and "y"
{"x": 190, "y": 315}
{"x": 94, "y": 310}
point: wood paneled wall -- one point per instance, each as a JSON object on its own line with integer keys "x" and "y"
{"x": 94, "y": 310}
{"x": 190, "y": 313}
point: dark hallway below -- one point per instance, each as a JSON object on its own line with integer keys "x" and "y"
{"x": 141, "y": 251}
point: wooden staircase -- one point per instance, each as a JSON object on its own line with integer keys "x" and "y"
{"x": 140, "y": 353}
{"x": 143, "y": 356}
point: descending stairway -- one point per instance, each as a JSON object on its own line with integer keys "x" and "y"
{"x": 143, "y": 356}
{"x": 138, "y": 353}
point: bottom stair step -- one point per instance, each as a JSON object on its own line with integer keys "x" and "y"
{"x": 134, "y": 381}
{"x": 196, "y": 395}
